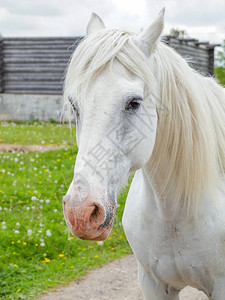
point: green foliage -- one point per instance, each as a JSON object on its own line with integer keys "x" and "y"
{"x": 220, "y": 74}
{"x": 220, "y": 56}
{"x": 220, "y": 64}
{"x": 176, "y": 32}
{"x": 37, "y": 250}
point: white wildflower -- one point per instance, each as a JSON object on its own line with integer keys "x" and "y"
{"x": 17, "y": 224}
{"x": 16, "y": 232}
{"x": 48, "y": 232}
{"x": 100, "y": 243}
{"x": 47, "y": 201}
{"x": 42, "y": 244}
{"x": 29, "y": 232}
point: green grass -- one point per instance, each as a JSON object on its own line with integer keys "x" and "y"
{"x": 27, "y": 133}
{"x": 37, "y": 250}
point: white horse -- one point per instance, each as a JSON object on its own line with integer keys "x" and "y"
{"x": 140, "y": 107}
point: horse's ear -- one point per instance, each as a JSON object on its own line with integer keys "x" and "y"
{"x": 148, "y": 38}
{"x": 95, "y": 24}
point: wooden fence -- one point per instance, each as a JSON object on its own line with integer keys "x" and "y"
{"x": 37, "y": 65}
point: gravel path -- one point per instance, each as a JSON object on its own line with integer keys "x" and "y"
{"x": 114, "y": 281}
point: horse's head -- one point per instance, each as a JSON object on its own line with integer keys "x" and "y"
{"x": 106, "y": 87}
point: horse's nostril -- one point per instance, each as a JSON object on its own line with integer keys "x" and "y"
{"x": 65, "y": 198}
{"x": 94, "y": 215}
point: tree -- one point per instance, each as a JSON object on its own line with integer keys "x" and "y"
{"x": 181, "y": 34}
{"x": 220, "y": 56}
{"x": 220, "y": 64}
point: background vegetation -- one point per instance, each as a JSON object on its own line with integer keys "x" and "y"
{"x": 220, "y": 64}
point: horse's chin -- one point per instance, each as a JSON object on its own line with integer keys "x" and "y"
{"x": 101, "y": 236}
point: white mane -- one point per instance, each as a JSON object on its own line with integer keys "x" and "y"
{"x": 191, "y": 137}
{"x": 191, "y": 130}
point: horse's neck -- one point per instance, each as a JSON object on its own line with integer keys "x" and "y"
{"x": 162, "y": 206}
{"x": 163, "y": 202}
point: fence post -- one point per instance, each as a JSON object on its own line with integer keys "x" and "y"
{"x": 1, "y": 66}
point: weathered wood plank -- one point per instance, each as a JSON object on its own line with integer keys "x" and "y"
{"x": 32, "y": 77}
{"x": 1, "y": 67}
{"x": 39, "y": 47}
{"x": 37, "y": 69}
{"x": 33, "y": 85}
{"x": 35, "y": 51}
{"x": 33, "y": 91}
{"x": 34, "y": 60}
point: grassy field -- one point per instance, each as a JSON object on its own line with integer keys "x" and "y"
{"x": 32, "y": 133}
{"x": 37, "y": 250}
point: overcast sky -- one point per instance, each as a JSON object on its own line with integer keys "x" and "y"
{"x": 202, "y": 19}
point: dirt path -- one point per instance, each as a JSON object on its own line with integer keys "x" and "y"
{"x": 27, "y": 148}
{"x": 114, "y": 281}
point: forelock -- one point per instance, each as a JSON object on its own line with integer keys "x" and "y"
{"x": 94, "y": 53}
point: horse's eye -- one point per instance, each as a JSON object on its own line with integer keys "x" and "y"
{"x": 133, "y": 105}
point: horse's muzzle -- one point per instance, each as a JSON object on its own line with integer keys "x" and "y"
{"x": 89, "y": 220}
